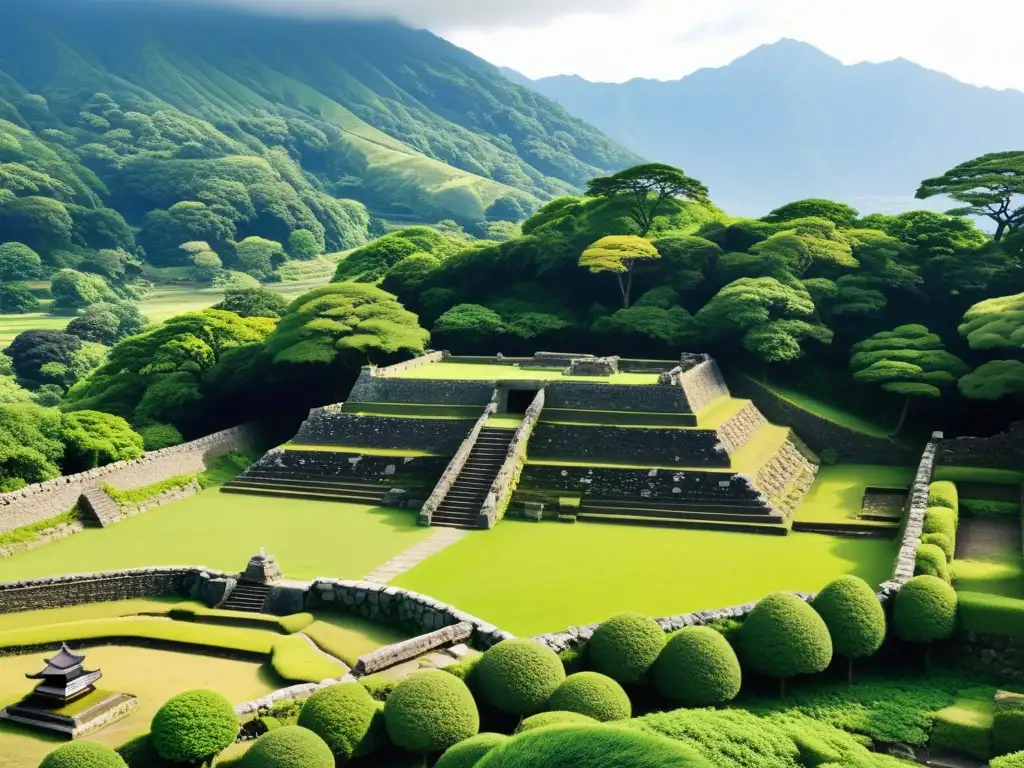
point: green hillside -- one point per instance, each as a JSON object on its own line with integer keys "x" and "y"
{"x": 114, "y": 111}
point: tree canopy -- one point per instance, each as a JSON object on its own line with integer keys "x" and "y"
{"x": 649, "y": 186}
{"x": 995, "y": 323}
{"x": 618, "y": 254}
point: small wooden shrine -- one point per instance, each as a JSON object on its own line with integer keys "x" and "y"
{"x": 64, "y": 679}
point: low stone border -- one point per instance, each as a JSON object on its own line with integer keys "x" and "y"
{"x": 407, "y": 650}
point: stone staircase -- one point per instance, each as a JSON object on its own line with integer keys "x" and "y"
{"x": 461, "y": 505}
{"x": 248, "y": 598}
{"x": 740, "y": 516}
{"x": 293, "y": 485}
{"x": 96, "y": 504}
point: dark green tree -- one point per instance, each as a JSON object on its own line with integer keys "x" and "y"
{"x": 470, "y": 326}
{"x": 649, "y": 186}
{"x": 259, "y": 257}
{"x": 854, "y": 617}
{"x": 108, "y": 322}
{"x": 993, "y": 380}
{"x": 302, "y": 244}
{"x": 31, "y": 350}
{"x": 17, "y": 299}
{"x": 995, "y": 323}
{"x": 253, "y": 302}
{"x": 910, "y": 361}
{"x": 73, "y": 290}
{"x": 991, "y": 185}
{"x": 19, "y": 262}
{"x": 841, "y": 214}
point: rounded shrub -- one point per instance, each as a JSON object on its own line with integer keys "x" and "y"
{"x": 1012, "y": 760}
{"x": 925, "y": 610}
{"x": 783, "y": 636}
{"x": 544, "y": 719}
{"x": 591, "y": 746}
{"x": 83, "y": 754}
{"x": 594, "y": 695}
{"x": 346, "y": 717}
{"x": 289, "y": 746}
{"x": 625, "y": 647}
{"x": 940, "y": 520}
{"x": 697, "y": 668}
{"x": 931, "y": 561}
{"x": 467, "y": 753}
{"x": 194, "y": 726}
{"x": 430, "y": 711}
{"x": 518, "y": 676}
{"x": 943, "y": 542}
{"x": 854, "y": 617}
{"x": 943, "y": 493}
{"x": 1008, "y": 730}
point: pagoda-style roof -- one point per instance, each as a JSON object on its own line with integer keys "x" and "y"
{"x": 63, "y": 664}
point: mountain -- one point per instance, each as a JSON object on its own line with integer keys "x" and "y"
{"x": 118, "y": 109}
{"x": 786, "y": 122}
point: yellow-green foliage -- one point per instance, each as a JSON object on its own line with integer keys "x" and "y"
{"x": 995, "y": 323}
{"x": 783, "y": 636}
{"x": 942, "y": 541}
{"x": 467, "y": 753}
{"x": 616, "y": 253}
{"x": 1012, "y": 760}
{"x": 931, "y": 561}
{"x": 943, "y": 493}
{"x": 194, "y": 726}
{"x": 518, "y": 676}
{"x": 590, "y": 746}
{"x": 347, "y": 718}
{"x": 592, "y": 694}
{"x": 147, "y": 492}
{"x": 289, "y": 747}
{"x": 965, "y": 728}
{"x": 544, "y": 719}
{"x": 625, "y": 647}
{"x": 430, "y": 711}
{"x": 990, "y": 614}
{"x": 940, "y": 520}
{"x": 1008, "y": 730}
{"x": 854, "y": 616}
{"x": 925, "y": 610}
{"x": 83, "y": 754}
{"x": 296, "y": 658}
{"x": 698, "y": 668}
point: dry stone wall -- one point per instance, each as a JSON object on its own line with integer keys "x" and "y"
{"x": 649, "y": 398}
{"x": 703, "y": 384}
{"x": 379, "y": 389}
{"x": 455, "y": 466}
{"x": 785, "y": 479}
{"x": 427, "y": 358}
{"x": 635, "y": 445}
{"x": 354, "y": 466}
{"x": 42, "y": 501}
{"x": 391, "y": 432}
{"x": 743, "y": 425}
{"x": 1002, "y": 451}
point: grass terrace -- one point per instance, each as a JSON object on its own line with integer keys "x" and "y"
{"x": 838, "y": 490}
{"x": 493, "y": 372}
{"x": 396, "y": 452}
{"x": 829, "y": 412}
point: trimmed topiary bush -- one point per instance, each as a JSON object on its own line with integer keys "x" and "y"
{"x": 783, "y": 636}
{"x": 1007, "y": 730}
{"x": 544, "y": 719}
{"x": 943, "y": 542}
{"x": 625, "y": 647}
{"x": 697, "y": 668}
{"x": 940, "y": 520}
{"x": 591, "y": 746}
{"x": 194, "y": 727}
{"x": 430, "y": 711}
{"x": 83, "y": 754}
{"x": 574, "y": 659}
{"x": 518, "y": 676}
{"x": 288, "y": 747}
{"x": 1013, "y": 760}
{"x": 594, "y": 695}
{"x": 925, "y": 610}
{"x": 854, "y": 617}
{"x": 468, "y": 753}
{"x": 931, "y": 561}
{"x": 346, "y": 717}
{"x": 943, "y": 493}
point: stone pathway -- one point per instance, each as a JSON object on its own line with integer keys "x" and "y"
{"x": 440, "y": 539}
{"x": 981, "y": 538}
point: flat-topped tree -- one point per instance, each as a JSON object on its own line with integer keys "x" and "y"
{"x": 991, "y": 185}
{"x": 650, "y": 186}
{"x": 909, "y": 360}
{"x": 618, "y": 254}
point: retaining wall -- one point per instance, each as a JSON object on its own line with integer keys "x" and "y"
{"x": 638, "y": 445}
{"x": 646, "y": 398}
{"x": 1002, "y": 451}
{"x": 43, "y": 501}
{"x": 379, "y": 389}
{"x": 391, "y": 432}
{"x": 703, "y": 384}
{"x": 424, "y": 470}
{"x": 427, "y": 358}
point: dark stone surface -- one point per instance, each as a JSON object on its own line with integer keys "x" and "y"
{"x": 1002, "y": 451}
{"x": 371, "y": 389}
{"x": 664, "y": 447}
{"x": 357, "y": 467}
{"x": 63, "y": 591}
{"x": 988, "y": 656}
{"x": 641, "y": 483}
{"x": 651, "y": 398}
{"x": 393, "y": 432}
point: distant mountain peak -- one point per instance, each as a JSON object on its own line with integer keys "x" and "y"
{"x": 786, "y": 51}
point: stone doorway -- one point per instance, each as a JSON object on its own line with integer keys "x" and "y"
{"x": 518, "y": 400}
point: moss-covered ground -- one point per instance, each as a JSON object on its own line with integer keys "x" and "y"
{"x": 978, "y": 475}
{"x": 989, "y": 557}
{"x": 530, "y": 578}
{"x": 494, "y": 372}
{"x": 355, "y": 450}
{"x": 220, "y": 530}
{"x": 830, "y": 412}
{"x": 838, "y": 490}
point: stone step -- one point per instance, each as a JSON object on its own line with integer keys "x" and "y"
{"x": 246, "y": 597}
{"x": 708, "y": 525}
{"x": 743, "y": 506}
{"x": 349, "y": 498}
{"x": 758, "y": 518}
{"x": 852, "y": 529}
{"x": 311, "y": 481}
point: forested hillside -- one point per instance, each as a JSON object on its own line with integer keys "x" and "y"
{"x": 143, "y": 126}
{"x": 787, "y": 121}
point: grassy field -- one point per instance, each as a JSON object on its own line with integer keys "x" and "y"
{"x": 978, "y": 475}
{"x": 838, "y": 490}
{"x": 309, "y": 538}
{"x": 529, "y": 578}
{"x": 152, "y": 675}
{"x": 830, "y": 412}
{"x": 488, "y": 372}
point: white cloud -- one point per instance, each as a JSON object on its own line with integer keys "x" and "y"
{"x": 667, "y": 39}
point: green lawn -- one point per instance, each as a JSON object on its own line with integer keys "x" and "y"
{"x": 838, "y": 490}
{"x": 530, "y": 578}
{"x": 152, "y": 675}
{"x": 309, "y": 538}
{"x": 999, "y": 572}
{"x": 491, "y": 372}
{"x": 829, "y": 412}
{"x": 12, "y": 325}
{"x": 978, "y": 475}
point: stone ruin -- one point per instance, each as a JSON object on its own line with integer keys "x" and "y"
{"x": 593, "y": 366}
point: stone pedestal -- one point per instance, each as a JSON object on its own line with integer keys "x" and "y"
{"x": 262, "y": 569}
{"x": 79, "y": 718}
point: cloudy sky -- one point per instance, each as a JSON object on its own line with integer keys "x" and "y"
{"x": 615, "y": 40}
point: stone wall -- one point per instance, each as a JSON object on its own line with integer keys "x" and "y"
{"x": 651, "y": 398}
{"x": 850, "y": 446}
{"x": 427, "y": 358}
{"x": 354, "y": 466}
{"x": 593, "y": 366}
{"x": 43, "y": 501}
{"x": 437, "y": 436}
{"x": 455, "y": 466}
{"x": 785, "y": 478}
{"x": 703, "y": 384}
{"x": 989, "y": 656}
{"x": 379, "y": 389}
{"x": 906, "y": 559}
{"x": 636, "y": 445}
{"x": 1002, "y": 451}
{"x": 736, "y": 431}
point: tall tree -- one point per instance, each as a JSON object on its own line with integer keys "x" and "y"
{"x": 650, "y": 186}
{"x": 909, "y": 360}
{"x": 618, "y": 254}
{"x": 991, "y": 185}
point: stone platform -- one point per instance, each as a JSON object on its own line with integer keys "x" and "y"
{"x": 77, "y": 719}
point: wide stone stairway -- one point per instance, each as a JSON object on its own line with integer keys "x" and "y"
{"x": 293, "y": 485}
{"x": 741, "y": 515}
{"x": 461, "y": 505}
{"x": 248, "y": 598}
